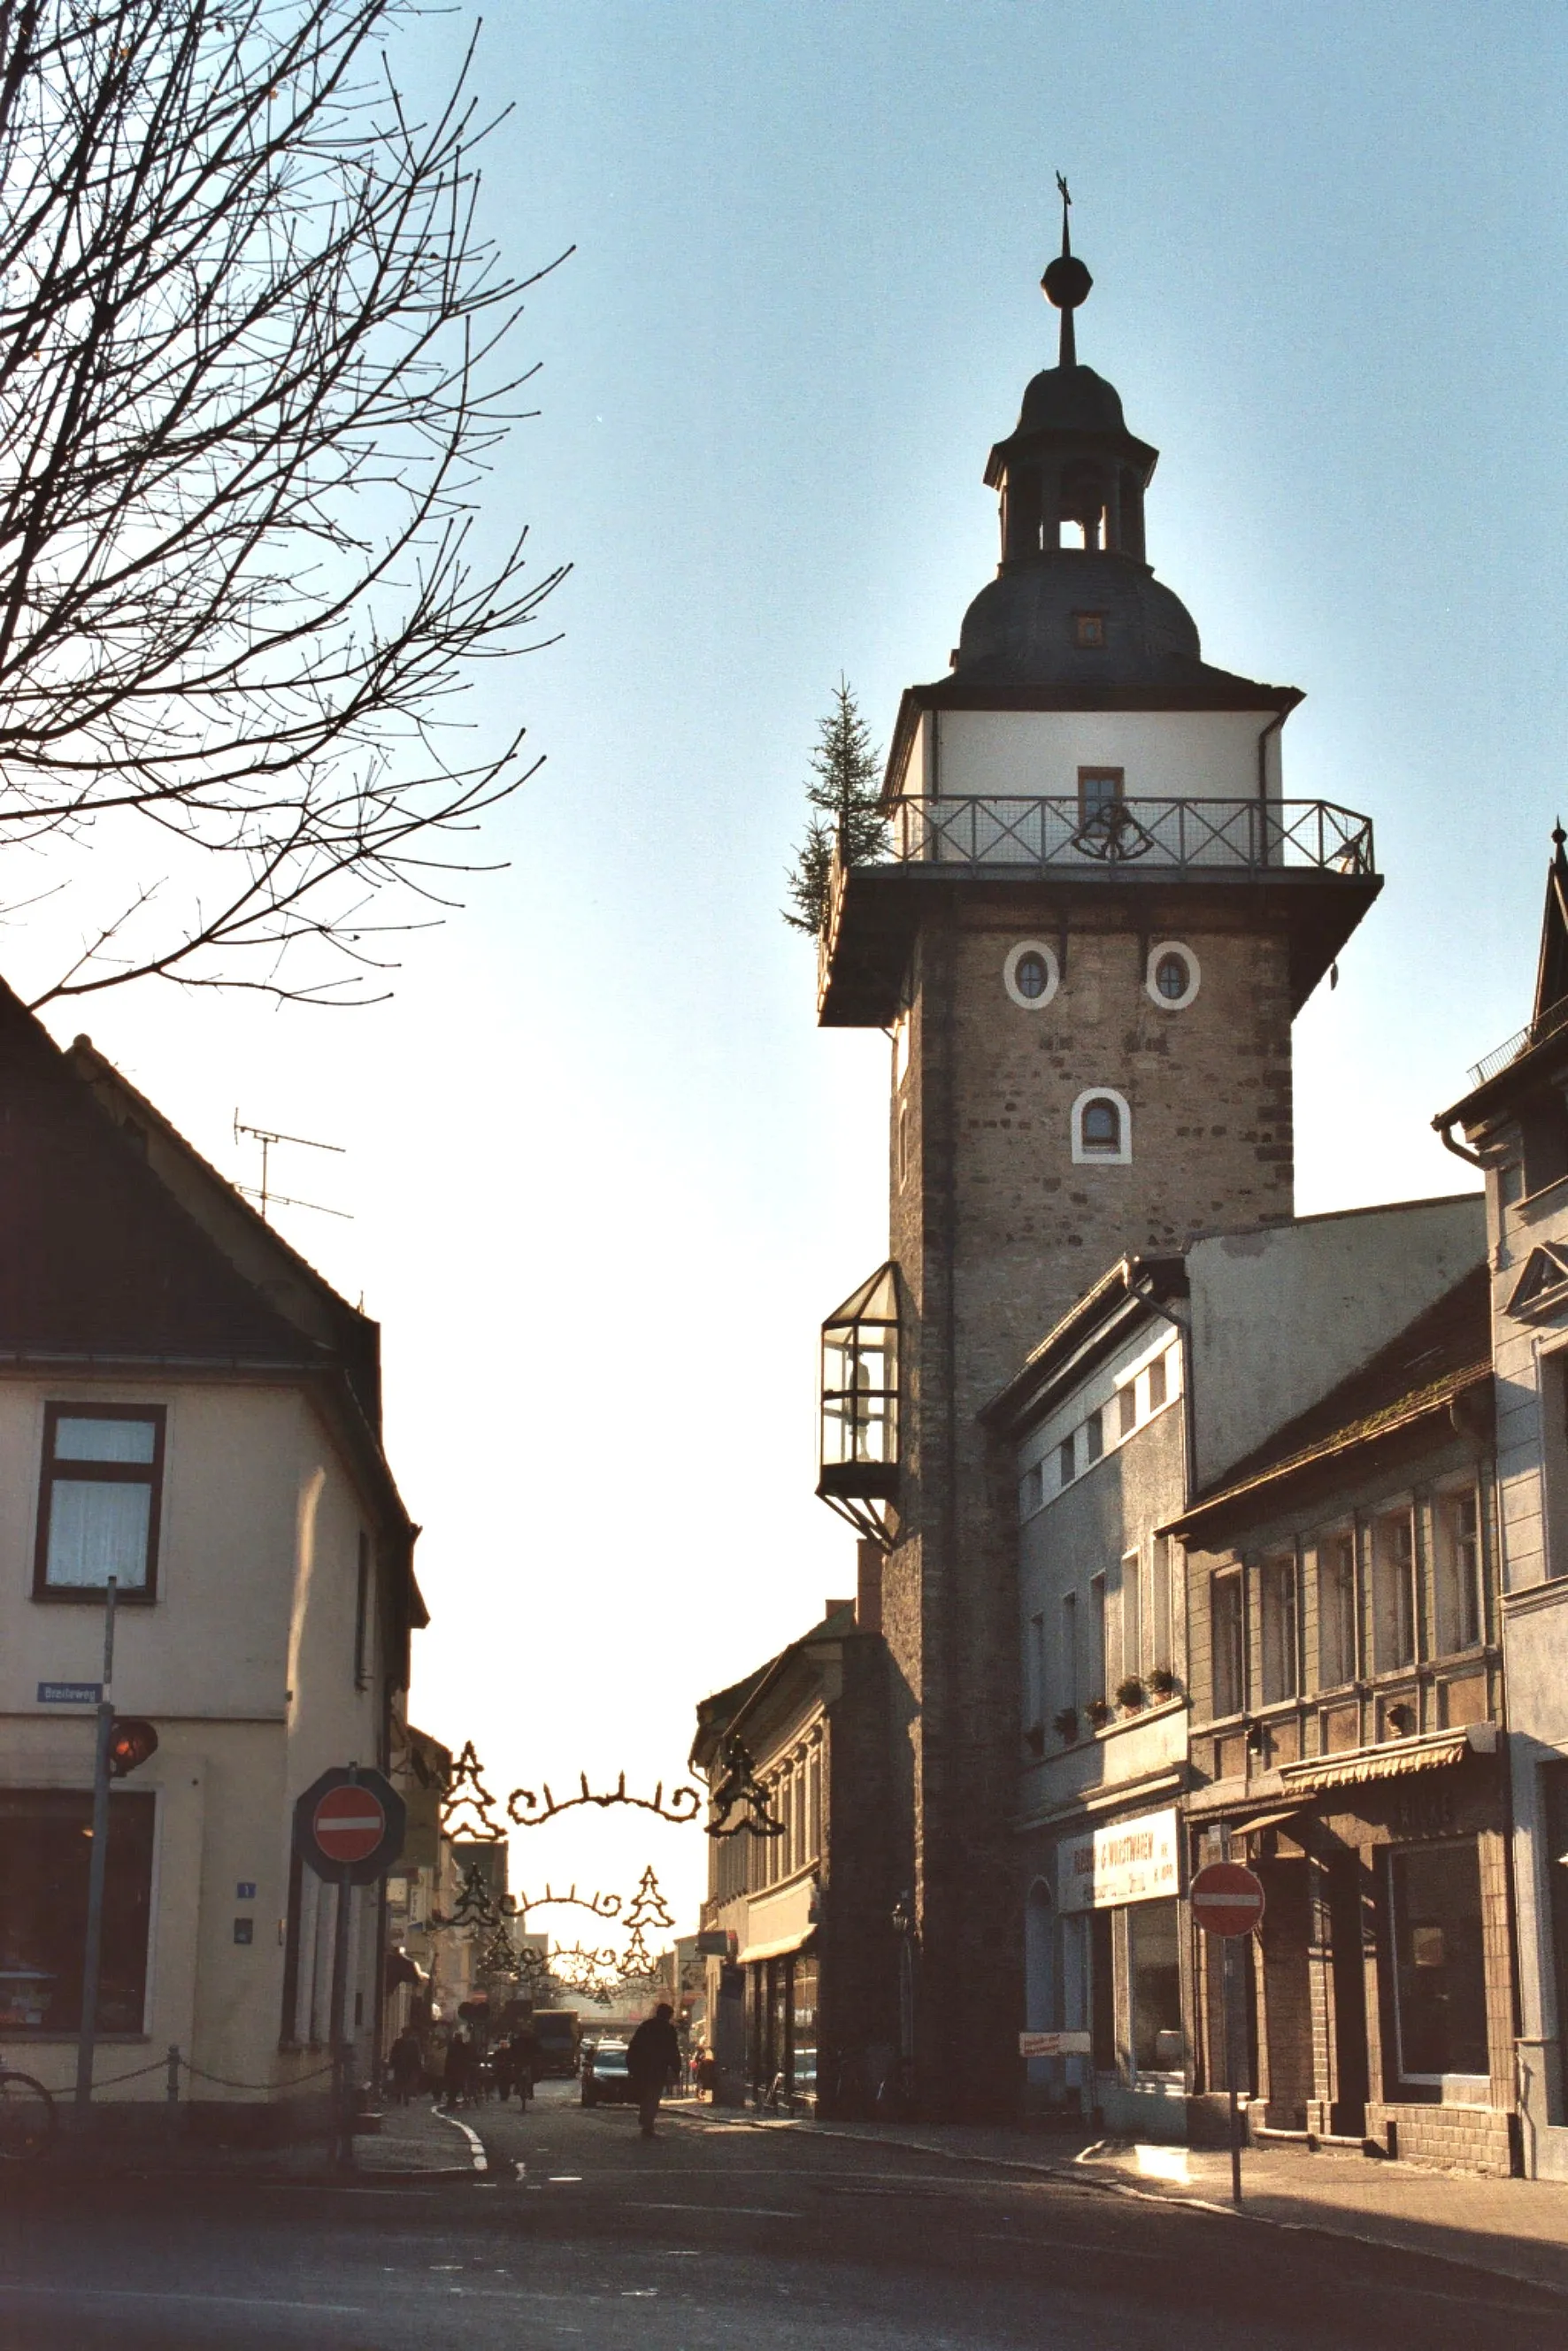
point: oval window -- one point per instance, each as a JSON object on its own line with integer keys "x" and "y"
{"x": 1031, "y": 974}
{"x": 1173, "y": 975}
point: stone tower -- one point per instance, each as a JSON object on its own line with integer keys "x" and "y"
{"x": 1095, "y": 922}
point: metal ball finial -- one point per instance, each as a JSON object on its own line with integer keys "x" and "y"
{"x": 1066, "y": 282}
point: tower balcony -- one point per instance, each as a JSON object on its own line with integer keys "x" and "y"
{"x": 1312, "y": 861}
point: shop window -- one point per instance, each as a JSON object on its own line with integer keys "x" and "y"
{"x": 45, "y": 1848}
{"x": 98, "y": 1500}
{"x": 1438, "y": 1964}
{"x": 1554, "y": 1805}
{"x": 1227, "y": 1627}
{"x": 1457, "y": 1569}
{"x": 1336, "y": 1609}
{"x": 1278, "y": 1595}
{"x": 1394, "y": 1589}
{"x": 1154, "y": 1963}
{"x": 803, "y": 2032}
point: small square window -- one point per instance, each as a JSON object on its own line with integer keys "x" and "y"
{"x": 1089, "y": 629}
{"x": 98, "y": 1500}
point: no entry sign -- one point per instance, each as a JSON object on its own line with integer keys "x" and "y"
{"x": 1227, "y": 1899}
{"x": 350, "y": 1823}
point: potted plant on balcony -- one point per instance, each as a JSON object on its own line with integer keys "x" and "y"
{"x": 1066, "y": 1725}
{"x": 1099, "y": 1711}
{"x": 1165, "y": 1682}
{"x": 1130, "y": 1693}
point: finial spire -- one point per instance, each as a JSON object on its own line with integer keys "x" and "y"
{"x": 1066, "y": 283}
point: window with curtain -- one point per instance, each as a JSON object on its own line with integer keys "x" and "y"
{"x": 1278, "y": 1595}
{"x": 98, "y": 1500}
{"x": 1457, "y": 1567}
{"x": 1393, "y": 1589}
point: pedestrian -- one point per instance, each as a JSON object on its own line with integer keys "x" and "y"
{"x": 455, "y": 2072}
{"x": 652, "y": 2059}
{"x": 524, "y": 2051}
{"x": 406, "y": 2062}
{"x": 503, "y": 2069}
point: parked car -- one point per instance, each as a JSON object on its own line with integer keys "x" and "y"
{"x": 605, "y": 2080}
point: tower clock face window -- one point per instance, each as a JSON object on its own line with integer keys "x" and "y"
{"x": 1101, "y": 1127}
{"x": 1173, "y": 976}
{"x": 1032, "y": 974}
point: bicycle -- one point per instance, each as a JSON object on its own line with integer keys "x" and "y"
{"x": 27, "y": 2118}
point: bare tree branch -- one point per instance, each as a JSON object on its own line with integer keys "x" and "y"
{"x": 252, "y": 368}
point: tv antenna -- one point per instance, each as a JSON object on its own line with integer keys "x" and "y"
{"x": 266, "y": 1137}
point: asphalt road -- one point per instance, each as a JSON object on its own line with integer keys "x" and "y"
{"x": 583, "y": 2237}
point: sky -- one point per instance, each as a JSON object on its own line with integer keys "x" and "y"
{"x": 605, "y": 1176}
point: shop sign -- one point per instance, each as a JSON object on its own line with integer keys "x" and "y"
{"x": 1053, "y": 2044}
{"x": 1125, "y": 1861}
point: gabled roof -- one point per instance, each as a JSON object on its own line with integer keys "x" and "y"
{"x": 256, "y": 1249}
{"x": 1434, "y": 1360}
{"x": 727, "y": 1709}
{"x": 1551, "y": 966}
{"x": 97, "y": 1260}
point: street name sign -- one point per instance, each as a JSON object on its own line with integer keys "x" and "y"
{"x": 1227, "y": 1899}
{"x": 349, "y": 1826}
{"x": 69, "y": 1693}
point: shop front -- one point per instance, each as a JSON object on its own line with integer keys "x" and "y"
{"x": 1382, "y": 1979}
{"x": 782, "y": 1968}
{"x": 1120, "y": 1973}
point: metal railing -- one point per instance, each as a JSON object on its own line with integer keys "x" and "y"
{"x": 1520, "y": 1043}
{"x": 1255, "y": 835}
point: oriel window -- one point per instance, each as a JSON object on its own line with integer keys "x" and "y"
{"x": 99, "y": 1501}
{"x": 859, "y": 1405}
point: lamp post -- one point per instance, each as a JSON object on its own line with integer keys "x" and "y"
{"x": 98, "y": 1865}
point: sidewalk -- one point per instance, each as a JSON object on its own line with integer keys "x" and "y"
{"x": 1514, "y": 2228}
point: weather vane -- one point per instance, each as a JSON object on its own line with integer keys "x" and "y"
{"x": 1066, "y": 282}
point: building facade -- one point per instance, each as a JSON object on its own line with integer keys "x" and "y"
{"x": 1095, "y": 920}
{"x": 1166, "y": 1375}
{"x": 1514, "y": 1125}
{"x": 1345, "y": 1660}
{"x": 187, "y": 1406}
{"x": 801, "y": 1996}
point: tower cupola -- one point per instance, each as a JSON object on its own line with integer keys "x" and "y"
{"x": 1074, "y": 591}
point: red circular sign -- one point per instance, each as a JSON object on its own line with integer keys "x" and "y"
{"x": 1227, "y": 1899}
{"x": 349, "y": 1824}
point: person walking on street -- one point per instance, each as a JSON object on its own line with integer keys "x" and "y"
{"x": 406, "y": 2061}
{"x": 653, "y": 2060}
{"x": 525, "y": 2050}
{"x": 456, "y": 2073}
{"x": 503, "y": 2064}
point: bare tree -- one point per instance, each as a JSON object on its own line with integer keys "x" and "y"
{"x": 253, "y": 360}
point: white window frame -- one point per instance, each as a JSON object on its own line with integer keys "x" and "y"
{"x": 1047, "y": 955}
{"x": 1193, "y": 974}
{"x": 1088, "y": 1157}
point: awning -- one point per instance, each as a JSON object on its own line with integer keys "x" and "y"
{"x": 1393, "y": 1760}
{"x": 779, "y": 1950}
{"x": 1264, "y": 1820}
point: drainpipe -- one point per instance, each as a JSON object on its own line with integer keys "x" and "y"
{"x": 1445, "y": 1136}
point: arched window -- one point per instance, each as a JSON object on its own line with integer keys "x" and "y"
{"x": 1101, "y": 1127}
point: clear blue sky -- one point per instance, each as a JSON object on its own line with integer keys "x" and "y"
{"x": 605, "y": 1172}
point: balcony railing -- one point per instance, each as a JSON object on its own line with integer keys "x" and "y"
{"x": 1254, "y": 835}
{"x": 1502, "y": 1055}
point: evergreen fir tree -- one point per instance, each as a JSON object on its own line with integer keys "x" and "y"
{"x": 844, "y": 796}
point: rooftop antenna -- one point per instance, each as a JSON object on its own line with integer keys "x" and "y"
{"x": 266, "y": 1137}
{"x": 1066, "y": 284}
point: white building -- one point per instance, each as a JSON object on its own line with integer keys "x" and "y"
{"x": 1515, "y": 1121}
{"x": 186, "y": 1405}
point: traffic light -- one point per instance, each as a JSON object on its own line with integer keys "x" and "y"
{"x": 130, "y": 1743}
